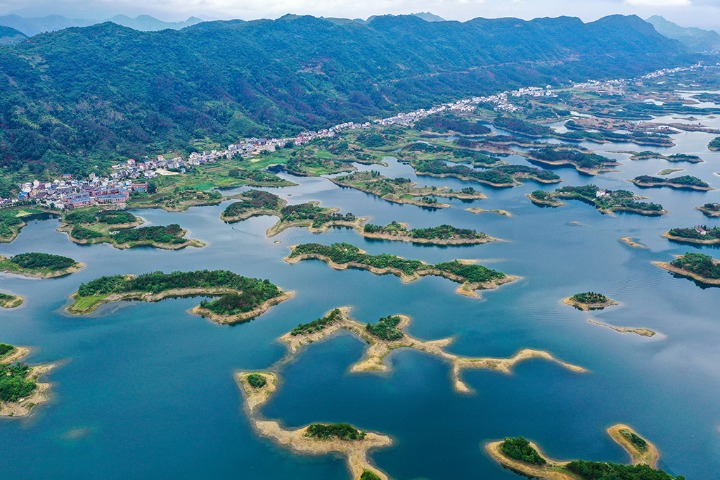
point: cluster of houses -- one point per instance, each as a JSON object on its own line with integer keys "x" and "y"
{"x": 131, "y": 176}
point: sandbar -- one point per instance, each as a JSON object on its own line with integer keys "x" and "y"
{"x": 643, "y": 332}
{"x": 631, "y": 242}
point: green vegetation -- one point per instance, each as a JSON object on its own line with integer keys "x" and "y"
{"x": 344, "y": 253}
{"x": 256, "y": 380}
{"x": 444, "y": 124}
{"x": 612, "y": 471}
{"x": 386, "y": 329}
{"x": 247, "y": 295}
{"x": 318, "y": 324}
{"x": 710, "y": 209}
{"x": 606, "y": 200}
{"x": 635, "y": 439}
{"x": 701, "y": 232}
{"x": 37, "y": 264}
{"x": 423, "y": 150}
{"x": 312, "y": 212}
{"x": 502, "y": 176}
{"x": 442, "y": 232}
{"x": 684, "y": 181}
{"x": 10, "y": 301}
{"x": 714, "y": 144}
{"x": 153, "y": 235}
{"x": 368, "y": 475}
{"x": 253, "y": 200}
{"x": 6, "y": 350}
{"x": 522, "y": 127}
{"x": 12, "y": 220}
{"x": 518, "y": 448}
{"x": 14, "y": 382}
{"x": 340, "y": 431}
{"x": 699, "y": 264}
{"x": 583, "y": 161}
{"x": 590, "y": 298}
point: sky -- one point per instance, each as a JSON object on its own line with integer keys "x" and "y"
{"x": 699, "y": 13}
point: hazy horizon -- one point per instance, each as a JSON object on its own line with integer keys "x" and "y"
{"x": 687, "y": 13}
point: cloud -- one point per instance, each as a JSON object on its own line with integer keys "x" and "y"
{"x": 660, "y": 3}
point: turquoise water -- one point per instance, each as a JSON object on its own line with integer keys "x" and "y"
{"x": 147, "y": 390}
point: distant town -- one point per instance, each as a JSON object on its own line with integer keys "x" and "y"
{"x": 131, "y": 176}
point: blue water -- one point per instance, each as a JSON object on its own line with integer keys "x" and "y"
{"x": 150, "y": 389}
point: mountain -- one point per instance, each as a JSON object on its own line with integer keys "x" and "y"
{"x": 429, "y": 17}
{"x": 106, "y": 91}
{"x": 696, "y": 39}
{"x": 146, "y": 23}
{"x": 10, "y": 36}
{"x": 52, "y": 23}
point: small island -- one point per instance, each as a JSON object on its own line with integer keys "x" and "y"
{"x": 388, "y": 334}
{"x": 630, "y": 241}
{"x": 676, "y": 157}
{"x": 643, "y": 332}
{"x": 525, "y": 458}
{"x": 253, "y": 203}
{"x": 684, "y": 182}
{"x": 701, "y": 235}
{"x": 441, "y": 235}
{"x": 710, "y": 209}
{"x": 605, "y": 201}
{"x": 583, "y": 161}
{"x": 669, "y": 171}
{"x": 587, "y": 301}
{"x": 702, "y": 268}
{"x": 341, "y": 256}
{"x": 119, "y": 229}
{"x": 240, "y": 298}
{"x": 500, "y": 177}
{"x": 20, "y": 390}
{"x": 10, "y": 301}
{"x": 39, "y": 265}
{"x": 316, "y": 438}
{"x": 477, "y": 211}
{"x": 403, "y": 190}
{"x": 714, "y": 145}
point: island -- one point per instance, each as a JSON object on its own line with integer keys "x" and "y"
{"x": 314, "y": 439}
{"x": 402, "y": 190}
{"x": 701, "y": 235}
{"x": 440, "y": 235}
{"x": 583, "y": 161}
{"x": 710, "y": 209}
{"x": 630, "y": 241}
{"x": 477, "y": 211}
{"x": 121, "y": 229}
{"x": 643, "y": 332}
{"x": 239, "y": 298}
{"x": 20, "y": 390}
{"x": 525, "y": 458}
{"x": 587, "y": 301}
{"x": 388, "y": 334}
{"x": 10, "y": 301}
{"x": 253, "y": 203}
{"x": 669, "y": 171}
{"x": 39, "y": 265}
{"x": 341, "y": 256}
{"x": 605, "y": 201}
{"x": 500, "y": 177}
{"x": 714, "y": 145}
{"x": 704, "y": 269}
{"x": 675, "y": 157}
{"x": 684, "y": 182}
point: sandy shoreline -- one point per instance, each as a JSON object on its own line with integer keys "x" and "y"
{"x": 241, "y": 317}
{"x": 711, "y": 241}
{"x": 586, "y": 307}
{"x": 40, "y": 395}
{"x": 685, "y": 273}
{"x": 649, "y": 457}
{"x": 631, "y": 242}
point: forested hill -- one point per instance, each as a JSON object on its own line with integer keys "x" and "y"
{"x": 101, "y": 92}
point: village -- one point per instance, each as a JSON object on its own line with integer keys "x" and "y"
{"x": 133, "y": 176}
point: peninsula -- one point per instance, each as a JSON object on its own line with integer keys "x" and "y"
{"x": 701, "y": 235}
{"x": 525, "y": 458}
{"x": 589, "y": 301}
{"x": 39, "y": 265}
{"x": 20, "y": 390}
{"x": 388, "y": 334}
{"x": 684, "y": 182}
{"x": 402, "y": 190}
{"x": 341, "y": 256}
{"x": 240, "y": 298}
{"x": 702, "y": 268}
{"x": 605, "y": 201}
